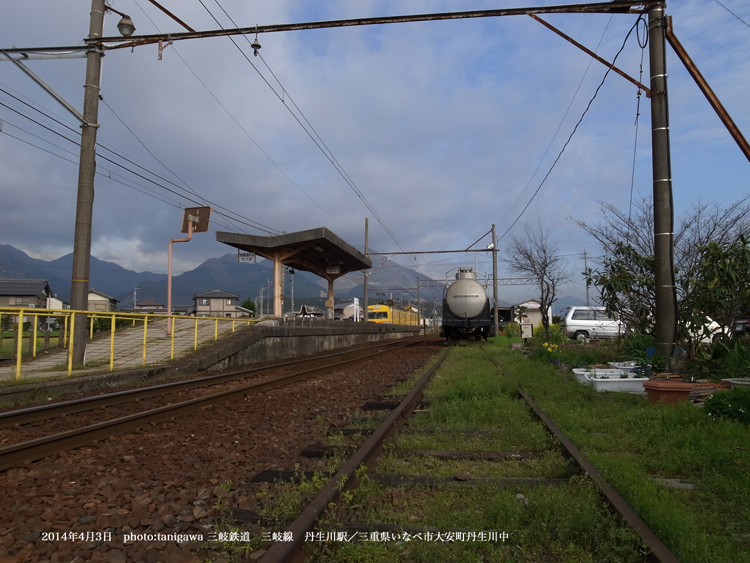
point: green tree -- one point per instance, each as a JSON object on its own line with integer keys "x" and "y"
{"x": 626, "y": 286}
{"x": 721, "y": 281}
{"x": 249, "y": 304}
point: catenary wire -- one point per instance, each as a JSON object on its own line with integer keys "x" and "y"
{"x": 216, "y": 99}
{"x": 575, "y": 129}
{"x": 329, "y": 156}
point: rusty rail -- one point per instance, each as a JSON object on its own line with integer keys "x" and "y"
{"x": 658, "y": 552}
{"x": 287, "y": 552}
{"x": 39, "y": 448}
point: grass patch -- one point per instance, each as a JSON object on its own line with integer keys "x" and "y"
{"x": 634, "y": 443}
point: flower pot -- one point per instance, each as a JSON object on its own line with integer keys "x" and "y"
{"x": 667, "y": 391}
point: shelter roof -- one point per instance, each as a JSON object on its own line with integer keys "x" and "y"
{"x": 316, "y": 250}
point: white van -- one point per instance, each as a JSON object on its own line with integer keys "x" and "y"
{"x": 589, "y": 322}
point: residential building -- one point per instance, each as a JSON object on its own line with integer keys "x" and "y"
{"x": 217, "y": 303}
{"x": 99, "y": 301}
{"x": 28, "y": 294}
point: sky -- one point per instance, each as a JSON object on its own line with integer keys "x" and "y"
{"x": 443, "y": 128}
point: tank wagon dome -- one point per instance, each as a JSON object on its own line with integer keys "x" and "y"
{"x": 465, "y": 297}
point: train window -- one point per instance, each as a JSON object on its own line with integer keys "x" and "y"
{"x": 377, "y": 315}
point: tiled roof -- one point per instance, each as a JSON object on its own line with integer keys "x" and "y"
{"x": 216, "y": 294}
{"x": 24, "y": 287}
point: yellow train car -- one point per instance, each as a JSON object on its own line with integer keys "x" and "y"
{"x": 388, "y": 314}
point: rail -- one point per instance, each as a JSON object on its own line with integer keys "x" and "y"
{"x": 66, "y": 319}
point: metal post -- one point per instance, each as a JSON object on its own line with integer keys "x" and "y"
{"x": 495, "y": 321}
{"x": 79, "y": 289}
{"x": 364, "y": 309}
{"x": 586, "y": 269}
{"x": 665, "y": 314}
{"x": 169, "y": 274}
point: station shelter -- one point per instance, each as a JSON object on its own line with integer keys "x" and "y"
{"x": 318, "y": 251}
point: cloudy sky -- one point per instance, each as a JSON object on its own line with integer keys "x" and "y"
{"x": 444, "y": 128}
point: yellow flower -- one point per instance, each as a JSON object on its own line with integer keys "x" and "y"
{"x": 546, "y": 344}
{"x": 549, "y": 349}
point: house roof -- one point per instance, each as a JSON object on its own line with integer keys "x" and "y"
{"x": 101, "y": 294}
{"x": 24, "y": 287}
{"x": 216, "y": 294}
{"x": 149, "y": 303}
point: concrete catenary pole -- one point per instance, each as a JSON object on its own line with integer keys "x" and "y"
{"x": 665, "y": 314}
{"x": 495, "y": 321}
{"x": 79, "y": 289}
{"x": 364, "y": 307}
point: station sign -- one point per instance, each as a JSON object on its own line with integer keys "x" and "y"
{"x": 243, "y": 257}
{"x": 333, "y": 270}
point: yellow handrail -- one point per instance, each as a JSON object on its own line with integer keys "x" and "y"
{"x": 68, "y": 330}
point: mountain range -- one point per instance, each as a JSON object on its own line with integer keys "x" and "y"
{"x": 387, "y": 280}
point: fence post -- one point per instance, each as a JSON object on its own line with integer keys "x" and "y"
{"x": 145, "y": 332}
{"x": 33, "y": 340}
{"x": 195, "y": 338}
{"x": 70, "y": 344}
{"x": 19, "y": 344}
{"x": 112, "y": 344}
{"x": 171, "y": 356}
{"x": 216, "y": 329}
{"x": 47, "y": 333}
{"x": 92, "y": 318}
{"x": 65, "y": 332}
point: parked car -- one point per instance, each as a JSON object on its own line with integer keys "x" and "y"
{"x": 589, "y": 322}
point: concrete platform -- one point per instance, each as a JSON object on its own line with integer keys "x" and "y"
{"x": 273, "y": 339}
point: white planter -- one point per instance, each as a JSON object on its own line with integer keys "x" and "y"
{"x": 622, "y": 384}
{"x": 625, "y": 366}
{"x": 582, "y": 374}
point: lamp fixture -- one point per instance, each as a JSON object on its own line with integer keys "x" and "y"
{"x": 255, "y": 45}
{"x": 125, "y": 25}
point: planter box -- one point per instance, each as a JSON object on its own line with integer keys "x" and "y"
{"x": 621, "y": 384}
{"x": 582, "y": 374}
{"x": 667, "y": 391}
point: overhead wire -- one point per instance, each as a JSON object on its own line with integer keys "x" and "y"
{"x": 642, "y": 45}
{"x": 329, "y": 155}
{"x": 219, "y": 209}
{"x": 575, "y": 129}
{"x": 234, "y": 119}
{"x": 562, "y": 120}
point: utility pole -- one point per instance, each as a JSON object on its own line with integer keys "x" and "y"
{"x": 495, "y": 321}
{"x": 586, "y": 269}
{"x": 79, "y": 289}
{"x": 665, "y": 314}
{"x": 365, "y": 300}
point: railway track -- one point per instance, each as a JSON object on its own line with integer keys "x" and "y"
{"x": 343, "y": 484}
{"x": 38, "y": 448}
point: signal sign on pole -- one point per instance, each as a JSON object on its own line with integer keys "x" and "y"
{"x": 198, "y": 216}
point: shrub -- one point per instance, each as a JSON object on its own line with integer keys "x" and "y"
{"x": 512, "y": 330}
{"x": 635, "y": 345}
{"x": 733, "y": 405}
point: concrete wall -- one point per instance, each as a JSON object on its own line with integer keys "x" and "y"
{"x": 289, "y": 339}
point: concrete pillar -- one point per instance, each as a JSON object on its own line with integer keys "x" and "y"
{"x": 278, "y": 285}
{"x": 329, "y": 301}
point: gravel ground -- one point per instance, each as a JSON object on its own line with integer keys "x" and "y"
{"x": 167, "y": 479}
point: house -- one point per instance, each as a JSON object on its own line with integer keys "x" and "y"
{"x": 345, "y": 311}
{"x": 24, "y": 294}
{"x": 99, "y": 301}
{"x": 309, "y": 311}
{"x": 149, "y": 304}
{"x": 27, "y": 294}
{"x": 532, "y": 313}
{"x": 217, "y": 303}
